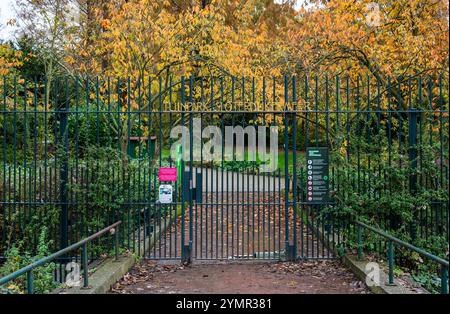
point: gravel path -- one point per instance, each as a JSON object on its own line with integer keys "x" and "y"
{"x": 218, "y": 180}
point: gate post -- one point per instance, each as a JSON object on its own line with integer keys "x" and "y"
{"x": 412, "y": 156}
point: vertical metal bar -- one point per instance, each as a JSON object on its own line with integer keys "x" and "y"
{"x": 191, "y": 169}
{"x": 191, "y": 161}
{"x": 399, "y": 117}
{"x": 259, "y": 213}
{"x": 64, "y": 177}
{"x": 115, "y": 210}
{"x": 116, "y": 243}
{"x": 369, "y": 133}
{"x": 83, "y": 213}
{"x": 222, "y": 164}
{"x": 30, "y": 282}
{"x": 24, "y": 153}
{"x": 79, "y": 232}
{"x": 444, "y": 279}
{"x": 253, "y": 186}
{"x": 252, "y": 190}
{"x": 294, "y": 165}
{"x": 303, "y": 213}
{"x": 97, "y": 122}
{"x": 171, "y": 207}
{"x": 232, "y": 165}
{"x": 137, "y": 208}
{"x": 389, "y": 126}
{"x": 19, "y": 197}
{"x": 429, "y": 181}
{"x": 358, "y": 146}
{"x": 227, "y": 198}
{"x": 238, "y": 207}
{"x": 315, "y": 208}
{"x": 84, "y": 258}
{"x": 215, "y": 169}
{"x": 263, "y": 207}
{"x": 158, "y": 219}
{"x": 274, "y": 213}
{"x": 211, "y": 195}
{"x": 327, "y": 116}
{"x": 151, "y": 213}
{"x": 337, "y": 186}
{"x": 420, "y": 96}
{"x": 9, "y": 194}
{"x": 129, "y": 173}
{"x": 359, "y": 242}
{"x": 389, "y": 123}
{"x": 241, "y": 191}
{"x": 35, "y": 136}
{"x": 183, "y": 220}
{"x": 413, "y": 165}
{"x": 286, "y": 166}
{"x": 316, "y": 110}
{"x": 14, "y": 149}
{"x": 443, "y": 225}
{"x": 4, "y": 162}
{"x": 391, "y": 262}
{"x": 279, "y": 212}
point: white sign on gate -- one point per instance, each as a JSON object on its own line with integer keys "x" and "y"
{"x": 165, "y": 194}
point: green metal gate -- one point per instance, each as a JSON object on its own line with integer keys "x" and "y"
{"x": 90, "y": 152}
{"x": 234, "y": 211}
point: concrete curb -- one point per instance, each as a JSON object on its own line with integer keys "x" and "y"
{"x": 110, "y": 271}
{"x": 103, "y": 278}
{"x": 358, "y": 267}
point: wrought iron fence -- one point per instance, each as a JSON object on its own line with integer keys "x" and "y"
{"x": 81, "y": 153}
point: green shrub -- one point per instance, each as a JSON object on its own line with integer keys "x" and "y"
{"x": 16, "y": 258}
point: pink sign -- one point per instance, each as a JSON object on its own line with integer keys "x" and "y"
{"x": 167, "y": 174}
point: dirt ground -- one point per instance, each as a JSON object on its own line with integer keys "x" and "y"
{"x": 316, "y": 277}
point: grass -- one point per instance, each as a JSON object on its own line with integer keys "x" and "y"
{"x": 281, "y": 158}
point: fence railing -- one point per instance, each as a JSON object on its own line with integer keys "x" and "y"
{"x": 28, "y": 270}
{"x": 78, "y": 154}
{"x": 391, "y": 240}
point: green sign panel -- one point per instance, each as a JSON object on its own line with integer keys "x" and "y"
{"x": 317, "y": 175}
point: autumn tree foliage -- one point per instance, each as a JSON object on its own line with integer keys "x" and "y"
{"x": 261, "y": 37}
{"x": 141, "y": 37}
{"x": 147, "y": 45}
{"x": 254, "y": 38}
{"x": 10, "y": 59}
{"x": 145, "y": 39}
{"x": 383, "y": 38}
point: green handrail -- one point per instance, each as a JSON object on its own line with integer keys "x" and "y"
{"x": 392, "y": 240}
{"x": 84, "y": 258}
